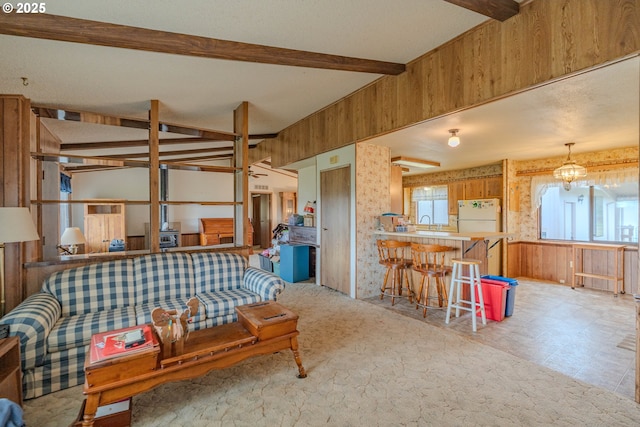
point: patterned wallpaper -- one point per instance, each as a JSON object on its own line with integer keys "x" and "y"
{"x": 435, "y": 178}
{"x": 373, "y": 172}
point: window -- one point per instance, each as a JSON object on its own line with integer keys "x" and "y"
{"x": 596, "y": 213}
{"x": 432, "y": 204}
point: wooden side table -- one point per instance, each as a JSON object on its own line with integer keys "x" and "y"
{"x": 10, "y": 373}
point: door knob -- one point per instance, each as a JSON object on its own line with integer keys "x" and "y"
{"x": 325, "y": 229}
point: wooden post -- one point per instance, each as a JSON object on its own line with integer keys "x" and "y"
{"x": 15, "y": 139}
{"x": 241, "y": 160}
{"x": 637, "y": 299}
{"x": 154, "y": 178}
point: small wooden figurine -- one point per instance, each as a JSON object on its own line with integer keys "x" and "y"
{"x": 173, "y": 330}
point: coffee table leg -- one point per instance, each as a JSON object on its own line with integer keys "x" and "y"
{"x": 90, "y": 408}
{"x": 296, "y": 355}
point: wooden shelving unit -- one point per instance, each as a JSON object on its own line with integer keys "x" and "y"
{"x": 605, "y": 270}
{"x": 10, "y": 374}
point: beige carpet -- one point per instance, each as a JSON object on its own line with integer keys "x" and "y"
{"x": 367, "y": 366}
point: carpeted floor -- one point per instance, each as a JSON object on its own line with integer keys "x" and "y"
{"x": 367, "y": 366}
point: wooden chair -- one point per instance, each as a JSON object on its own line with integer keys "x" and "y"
{"x": 429, "y": 261}
{"x": 392, "y": 254}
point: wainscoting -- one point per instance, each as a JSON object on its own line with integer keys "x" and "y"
{"x": 552, "y": 261}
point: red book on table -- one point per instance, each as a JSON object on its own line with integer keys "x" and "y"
{"x": 121, "y": 342}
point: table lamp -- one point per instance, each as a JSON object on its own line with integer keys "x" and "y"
{"x": 72, "y": 237}
{"x": 16, "y": 225}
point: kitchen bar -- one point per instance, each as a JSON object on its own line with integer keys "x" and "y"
{"x": 466, "y": 245}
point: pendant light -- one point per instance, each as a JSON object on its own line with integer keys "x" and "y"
{"x": 454, "y": 139}
{"x": 569, "y": 171}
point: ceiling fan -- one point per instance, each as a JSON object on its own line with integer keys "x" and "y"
{"x": 253, "y": 174}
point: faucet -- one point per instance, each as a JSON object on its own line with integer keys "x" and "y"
{"x": 428, "y": 224}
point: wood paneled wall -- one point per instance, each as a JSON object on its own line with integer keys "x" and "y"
{"x": 551, "y": 261}
{"x": 547, "y": 40}
{"x": 15, "y": 139}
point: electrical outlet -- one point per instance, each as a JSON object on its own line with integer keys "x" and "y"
{"x": 570, "y": 264}
{"x": 562, "y": 281}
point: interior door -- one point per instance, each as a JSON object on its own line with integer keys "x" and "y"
{"x": 335, "y": 214}
{"x": 569, "y": 220}
{"x": 261, "y": 208}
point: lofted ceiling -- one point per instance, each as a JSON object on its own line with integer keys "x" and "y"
{"x": 203, "y": 92}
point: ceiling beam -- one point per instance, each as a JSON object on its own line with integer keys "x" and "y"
{"x": 228, "y": 150}
{"x": 107, "y": 162}
{"x": 62, "y": 28}
{"x": 500, "y": 10}
{"x": 77, "y": 146}
{"x": 103, "y": 119}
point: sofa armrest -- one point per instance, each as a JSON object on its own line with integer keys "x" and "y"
{"x": 263, "y": 283}
{"x": 31, "y": 321}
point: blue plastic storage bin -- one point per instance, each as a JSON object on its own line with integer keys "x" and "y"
{"x": 511, "y": 292}
{"x": 294, "y": 262}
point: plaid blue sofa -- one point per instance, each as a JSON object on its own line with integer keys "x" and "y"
{"x": 55, "y": 325}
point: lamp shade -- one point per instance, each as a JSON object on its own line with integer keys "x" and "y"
{"x": 72, "y": 236}
{"x": 16, "y": 225}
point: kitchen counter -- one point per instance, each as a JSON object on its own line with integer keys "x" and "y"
{"x": 464, "y": 245}
{"x": 448, "y": 235}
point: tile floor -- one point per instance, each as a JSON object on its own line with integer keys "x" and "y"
{"x": 586, "y": 334}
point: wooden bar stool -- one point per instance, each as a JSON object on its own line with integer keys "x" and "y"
{"x": 473, "y": 280}
{"x": 429, "y": 261}
{"x": 392, "y": 255}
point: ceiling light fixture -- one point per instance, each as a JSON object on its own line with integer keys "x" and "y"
{"x": 569, "y": 171}
{"x": 454, "y": 139}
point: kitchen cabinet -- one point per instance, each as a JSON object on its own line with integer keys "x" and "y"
{"x": 474, "y": 189}
{"x": 103, "y": 222}
{"x": 480, "y": 188}
{"x": 493, "y": 187}
{"x": 455, "y": 192}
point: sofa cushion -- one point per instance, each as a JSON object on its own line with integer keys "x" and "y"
{"x": 222, "y": 303}
{"x": 215, "y": 271}
{"x": 76, "y": 331}
{"x": 165, "y": 276}
{"x": 91, "y": 288}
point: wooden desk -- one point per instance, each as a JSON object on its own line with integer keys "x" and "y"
{"x": 263, "y": 328}
{"x": 611, "y": 265}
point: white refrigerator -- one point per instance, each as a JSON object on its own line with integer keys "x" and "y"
{"x": 478, "y": 215}
{"x": 482, "y": 215}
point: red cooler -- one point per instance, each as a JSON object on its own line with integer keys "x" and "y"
{"x": 495, "y": 298}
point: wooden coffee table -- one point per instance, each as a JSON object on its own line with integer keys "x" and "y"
{"x": 262, "y": 328}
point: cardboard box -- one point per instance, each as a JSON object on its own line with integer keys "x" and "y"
{"x": 389, "y": 222}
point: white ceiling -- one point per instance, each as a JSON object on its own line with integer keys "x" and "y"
{"x": 203, "y": 92}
